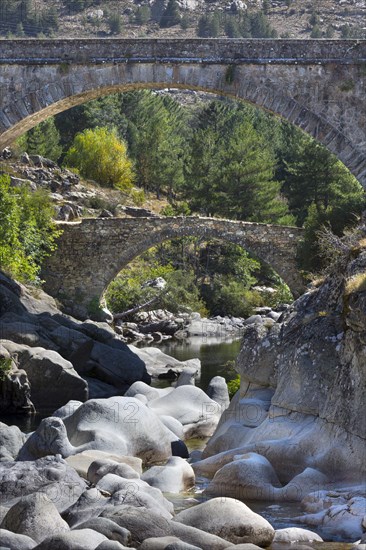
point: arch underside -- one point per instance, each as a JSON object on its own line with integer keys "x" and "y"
{"x": 63, "y": 92}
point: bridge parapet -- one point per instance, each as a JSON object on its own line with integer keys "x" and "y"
{"x": 232, "y": 51}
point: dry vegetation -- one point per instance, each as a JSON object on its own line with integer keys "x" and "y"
{"x": 290, "y": 18}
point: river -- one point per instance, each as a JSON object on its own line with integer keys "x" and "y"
{"x": 217, "y": 357}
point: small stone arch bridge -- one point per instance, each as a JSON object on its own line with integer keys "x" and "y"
{"x": 93, "y": 251}
{"x": 318, "y": 85}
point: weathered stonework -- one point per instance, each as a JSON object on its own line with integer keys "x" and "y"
{"x": 318, "y": 85}
{"x": 92, "y": 252}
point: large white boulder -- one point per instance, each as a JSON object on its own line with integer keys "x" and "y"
{"x": 120, "y": 425}
{"x": 158, "y": 362}
{"x": 192, "y": 407}
{"x": 229, "y": 519}
{"x": 34, "y": 516}
{"x": 135, "y": 492}
{"x": 83, "y": 539}
{"x": 11, "y": 540}
{"x": 296, "y": 534}
{"x": 250, "y": 476}
{"x": 175, "y": 476}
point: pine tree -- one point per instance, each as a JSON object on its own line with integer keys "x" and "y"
{"x": 44, "y": 140}
{"x": 171, "y": 15}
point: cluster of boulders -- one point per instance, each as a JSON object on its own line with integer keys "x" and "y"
{"x": 159, "y": 325}
{"x": 295, "y": 432}
{"x": 87, "y": 478}
{"x": 48, "y": 358}
{"x": 72, "y": 198}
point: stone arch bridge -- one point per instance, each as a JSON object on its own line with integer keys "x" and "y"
{"x": 318, "y": 85}
{"x": 93, "y": 251}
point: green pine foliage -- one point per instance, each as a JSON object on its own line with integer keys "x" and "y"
{"x": 24, "y": 18}
{"x": 171, "y": 15}
{"x": 27, "y": 231}
{"x": 232, "y": 169}
{"x": 43, "y": 139}
{"x": 320, "y": 192}
{"x": 241, "y": 25}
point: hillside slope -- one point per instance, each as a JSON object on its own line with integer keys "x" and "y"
{"x": 143, "y": 18}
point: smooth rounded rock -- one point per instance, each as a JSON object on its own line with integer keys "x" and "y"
{"x": 81, "y": 462}
{"x": 218, "y": 391}
{"x": 14, "y": 541}
{"x": 83, "y": 539}
{"x": 166, "y": 543}
{"x": 141, "y": 523}
{"x": 198, "y": 537}
{"x": 251, "y": 476}
{"x": 34, "y": 516}
{"x": 121, "y": 425}
{"x": 229, "y": 519}
{"x": 109, "y": 529}
{"x": 175, "y": 476}
{"x": 135, "y": 492}
{"x": 50, "y": 438}
{"x": 296, "y": 534}
{"x": 52, "y": 378}
{"x": 89, "y": 505}
{"x": 100, "y": 468}
{"x": 192, "y": 407}
{"x": 173, "y": 425}
{"x": 111, "y": 545}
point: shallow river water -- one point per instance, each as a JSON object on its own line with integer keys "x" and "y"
{"x": 217, "y": 357}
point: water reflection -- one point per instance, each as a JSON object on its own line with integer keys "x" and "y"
{"x": 217, "y": 355}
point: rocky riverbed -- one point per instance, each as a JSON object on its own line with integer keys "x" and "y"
{"x": 103, "y": 469}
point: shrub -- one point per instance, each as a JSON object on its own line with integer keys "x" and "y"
{"x": 101, "y": 156}
{"x": 27, "y": 230}
{"x": 233, "y": 386}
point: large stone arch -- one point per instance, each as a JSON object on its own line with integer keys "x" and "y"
{"x": 318, "y": 86}
{"x": 92, "y": 252}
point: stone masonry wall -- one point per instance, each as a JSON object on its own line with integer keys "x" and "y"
{"x": 92, "y": 252}
{"x": 319, "y": 86}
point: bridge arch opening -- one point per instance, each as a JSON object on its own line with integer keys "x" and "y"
{"x": 211, "y": 276}
{"x": 283, "y": 90}
{"x": 307, "y": 121}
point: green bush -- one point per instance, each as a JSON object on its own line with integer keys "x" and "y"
{"x": 233, "y": 386}
{"x": 227, "y": 296}
{"x": 5, "y": 367}
{"x": 27, "y": 231}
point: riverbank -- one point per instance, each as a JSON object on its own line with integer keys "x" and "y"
{"x": 119, "y": 464}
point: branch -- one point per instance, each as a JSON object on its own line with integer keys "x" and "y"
{"x": 124, "y": 314}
